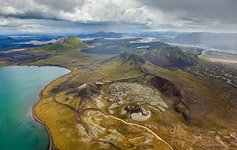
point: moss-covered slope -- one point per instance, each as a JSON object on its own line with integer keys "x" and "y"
{"x": 69, "y": 44}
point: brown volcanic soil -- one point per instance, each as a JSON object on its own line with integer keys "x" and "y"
{"x": 212, "y": 103}
{"x": 206, "y": 117}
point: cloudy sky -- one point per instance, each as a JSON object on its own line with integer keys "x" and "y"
{"x": 70, "y": 16}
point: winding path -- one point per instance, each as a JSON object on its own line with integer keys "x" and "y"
{"x": 96, "y": 109}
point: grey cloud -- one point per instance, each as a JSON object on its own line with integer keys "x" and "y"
{"x": 30, "y": 15}
{"x": 65, "y": 5}
{"x": 222, "y": 10}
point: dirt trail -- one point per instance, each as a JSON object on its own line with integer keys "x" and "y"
{"x": 134, "y": 124}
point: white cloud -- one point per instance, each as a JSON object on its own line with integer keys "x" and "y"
{"x": 82, "y": 11}
{"x": 36, "y": 28}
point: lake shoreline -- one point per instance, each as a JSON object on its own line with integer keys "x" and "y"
{"x": 37, "y": 120}
{"x": 50, "y": 144}
{"x": 33, "y": 111}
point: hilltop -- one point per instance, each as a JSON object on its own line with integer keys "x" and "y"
{"x": 168, "y": 57}
{"x": 66, "y": 44}
{"x": 172, "y": 57}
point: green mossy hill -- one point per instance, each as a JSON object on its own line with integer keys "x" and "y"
{"x": 172, "y": 57}
{"x": 69, "y": 44}
{"x": 123, "y": 63}
{"x": 167, "y": 57}
{"x": 132, "y": 57}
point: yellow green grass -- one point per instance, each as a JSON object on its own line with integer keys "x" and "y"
{"x": 3, "y": 63}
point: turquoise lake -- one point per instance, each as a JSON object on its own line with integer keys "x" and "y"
{"x": 19, "y": 91}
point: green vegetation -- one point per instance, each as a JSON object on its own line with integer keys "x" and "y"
{"x": 70, "y": 44}
{"x": 198, "y": 106}
{"x": 172, "y": 57}
{"x": 3, "y": 63}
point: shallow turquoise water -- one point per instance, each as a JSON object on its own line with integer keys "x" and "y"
{"x": 19, "y": 91}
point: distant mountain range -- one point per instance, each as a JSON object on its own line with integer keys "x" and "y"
{"x": 22, "y": 41}
{"x": 8, "y": 42}
{"x": 101, "y": 34}
{"x": 221, "y": 41}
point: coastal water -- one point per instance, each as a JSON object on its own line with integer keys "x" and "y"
{"x": 19, "y": 91}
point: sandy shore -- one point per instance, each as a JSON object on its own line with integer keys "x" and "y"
{"x": 33, "y": 114}
{"x": 50, "y": 144}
